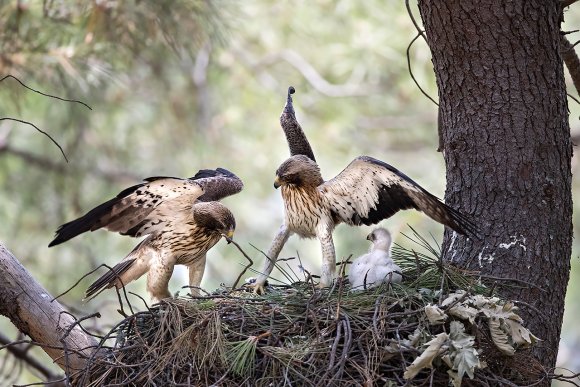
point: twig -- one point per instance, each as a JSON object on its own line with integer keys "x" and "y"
{"x": 45, "y": 163}
{"x": 44, "y": 94}
{"x": 566, "y": 378}
{"x": 24, "y": 355}
{"x": 76, "y": 283}
{"x": 63, "y": 340}
{"x": 142, "y": 299}
{"x": 507, "y": 279}
{"x": 414, "y": 20}
{"x": 571, "y": 60}
{"x": 420, "y": 33}
{"x": 567, "y": 3}
{"x": 574, "y": 98}
{"x": 49, "y": 383}
{"x": 245, "y": 268}
{"x": 411, "y": 70}
{"x": 40, "y": 130}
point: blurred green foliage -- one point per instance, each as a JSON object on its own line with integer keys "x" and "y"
{"x": 176, "y": 86}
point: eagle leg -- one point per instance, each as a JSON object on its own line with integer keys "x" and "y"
{"x": 158, "y": 280}
{"x": 196, "y": 270}
{"x": 328, "y": 269}
{"x": 271, "y": 257}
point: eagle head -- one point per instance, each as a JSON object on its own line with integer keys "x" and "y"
{"x": 300, "y": 171}
{"x": 214, "y": 217}
{"x": 380, "y": 238}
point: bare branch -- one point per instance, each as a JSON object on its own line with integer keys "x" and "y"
{"x": 40, "y": 130}
{"x": 246, "y": 267}
{"x": 27, "y": 304}
{"x": 79, "y": 281}
{"x": 411, "y": 70}
{"x": 419, "y": 30}
{"x": 567, "y": 3}
{"x": 23, "y": 354}
{"x": 571, "y": 60}
{"x": 46, "y": 95}
{"x": 573, "y": 98}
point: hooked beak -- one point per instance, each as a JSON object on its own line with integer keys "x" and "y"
{"x": 369, "y": 237}
{"x": 277, "y": 182}
{"x": 229, "y": 236}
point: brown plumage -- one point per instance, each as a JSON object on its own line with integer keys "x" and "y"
{"x": 297, "y": 141}
{"x": 364, "y": 193}
{"x": 180, "y": 218}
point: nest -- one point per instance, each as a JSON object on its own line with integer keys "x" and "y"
{"x": 300, "y": 335}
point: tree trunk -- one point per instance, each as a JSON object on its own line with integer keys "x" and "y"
{"x": 506, "y": 142}
{"x": 28, "y": 306}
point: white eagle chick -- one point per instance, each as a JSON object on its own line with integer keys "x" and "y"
{"x": 376, "y": 267}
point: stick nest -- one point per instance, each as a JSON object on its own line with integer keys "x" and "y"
{"x": 300, "y": 335}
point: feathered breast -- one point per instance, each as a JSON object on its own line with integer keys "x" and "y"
{"x": 304, "y": 210}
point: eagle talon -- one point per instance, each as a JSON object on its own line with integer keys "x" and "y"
{"x": 258, "y": 289}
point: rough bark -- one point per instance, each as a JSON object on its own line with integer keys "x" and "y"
{"x": 28, "y": 305}
{"x": 571, "y": 60}
{"x": 506, "y": 142}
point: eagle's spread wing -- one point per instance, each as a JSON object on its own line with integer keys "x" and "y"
{"x": 369, "y": 190}
{"x": 145, "y": 208}
{"x": 297, "y": 141}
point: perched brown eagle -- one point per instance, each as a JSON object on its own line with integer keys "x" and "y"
{"x": 364, "y": 193}
{"x": 181, "y": 219}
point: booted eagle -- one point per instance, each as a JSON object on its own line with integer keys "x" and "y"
{"x": 364, "y": 193}
{"x": 376, "y": 267}
{"x": 181, "y": 219}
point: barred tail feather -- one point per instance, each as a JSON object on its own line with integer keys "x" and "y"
{"x": 109, "y": 279}
{"x": 83, "y": 224}
{"x": 462, "y": 224}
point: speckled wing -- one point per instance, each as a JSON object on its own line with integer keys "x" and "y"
{"x": 369, "y": 190}
{"x": 147, "y": 207}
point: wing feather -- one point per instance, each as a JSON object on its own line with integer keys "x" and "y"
{"x": 369, "y": 190}
{"x": 148, "y": 207}
{"x": 217, "y": 184}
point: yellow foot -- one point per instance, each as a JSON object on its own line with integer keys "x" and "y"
{"x": 258, "y": 288}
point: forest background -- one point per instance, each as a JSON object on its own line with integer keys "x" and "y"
{"x": 176, "y": 86}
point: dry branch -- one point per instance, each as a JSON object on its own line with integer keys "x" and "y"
{"x": 28, "y": 306}
{"x": 22, "y": 353}
{"x": 571, "y": 60}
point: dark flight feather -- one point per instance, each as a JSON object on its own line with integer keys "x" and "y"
{"x": 130, "y": 211}
{"x": 297, "y": 141}
{"x": 108, "y": 279}
{"x": 371, "y": 190}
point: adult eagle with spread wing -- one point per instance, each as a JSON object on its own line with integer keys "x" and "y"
{"x": 181, "y": 219}
{"x": 364, "y": 193}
